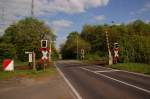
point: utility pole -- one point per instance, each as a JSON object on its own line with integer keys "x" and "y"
{"x": 109, "y": 52}
{"x": 77, "y": 48}
{"x": 34, "y": 61}
{"x": 2, "y": 20}
{"x": 32, "y": 8}
{"x": 2, "y": 17}
{"x": 50, "y": 50}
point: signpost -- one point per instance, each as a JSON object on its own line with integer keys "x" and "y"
{"x": 45, "y": 52}
{"x": 8, "y": 65}
{"x": 116, "y": 53}
{"x": 82, "y": 54}
{"x": 31, "y": 59}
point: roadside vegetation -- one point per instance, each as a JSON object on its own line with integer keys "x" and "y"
{"x": 26, "y": 72}
{"x": 4, "y": 75}
{"x": 133, "y": 39}
{"x": 133, "y": 67}
{"x": 25, "y": 35}
{"x": 17, "y": 63}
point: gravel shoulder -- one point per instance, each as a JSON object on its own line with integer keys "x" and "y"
{"x": 47, "y": 87}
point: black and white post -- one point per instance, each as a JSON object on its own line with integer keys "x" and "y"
{"x": 109, "y": 52}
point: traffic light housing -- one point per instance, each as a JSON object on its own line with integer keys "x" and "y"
{"x": 44, "y": 43}
{"x": 116, "y": 45}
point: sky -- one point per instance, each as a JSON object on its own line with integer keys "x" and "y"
{"x": 65, "y": 16}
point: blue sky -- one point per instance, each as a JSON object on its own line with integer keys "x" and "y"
{"x": 65, "y": 16}
{"x": 119, "y": 11}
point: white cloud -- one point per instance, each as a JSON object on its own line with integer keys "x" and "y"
{"x": 16, "y": 9}
{"x": 145, "y": 9}
{"x": 100, "y": 18}
{"x": 68, "y": 6}
{"x": 147, "y": 21}
{"x": 61, "y": 24}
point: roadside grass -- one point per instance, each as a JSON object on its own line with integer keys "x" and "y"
{"x": 17, "y": 63}
{"x": 20, "y": 63}
{"x": 133, "y": 67}
{"x": 28, "y": 73}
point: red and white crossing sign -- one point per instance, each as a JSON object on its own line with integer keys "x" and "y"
{"x": 8, "y": 65}
{"x": 45, "y": 53}
{"x": 116, "y": 52}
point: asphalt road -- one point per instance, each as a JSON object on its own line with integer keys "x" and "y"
{"x": 97, "y": 82}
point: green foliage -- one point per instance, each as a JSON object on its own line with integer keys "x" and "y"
{"x": 7, "y": 51}
{"x": 134, "y": 67}
{"x": 95, "y": 35}
{"x": 92, "y": 57}
{"x": 133, "y": 39}
{"x": 27, "y": 73}
{"x": 25, "y": 35}
{"x": 74, "y": 41}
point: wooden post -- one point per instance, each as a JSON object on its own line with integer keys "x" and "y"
{"x": 34, "y": 61}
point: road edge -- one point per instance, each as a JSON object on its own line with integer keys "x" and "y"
{"x": 77, "y": 95}
{"x": 135, "y": 73}
{"x": 114, "y": 79}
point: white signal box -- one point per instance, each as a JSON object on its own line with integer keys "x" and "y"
{"x": 30, "y": 56}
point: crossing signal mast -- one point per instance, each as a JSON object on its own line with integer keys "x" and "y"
{"x": 32, "y": 8}
{"x": 110, "y": 62}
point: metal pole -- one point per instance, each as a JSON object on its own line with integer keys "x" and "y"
{"x": 109, "y": 52}
{"x": 2, "y": 17}
{"x": 50, "y": 50}
{"x": 32, "y": 8}
{"x": 77, "y": 48}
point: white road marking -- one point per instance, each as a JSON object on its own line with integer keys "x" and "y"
{"x": 68, "y": 82}
{"x": 106, "y": 71}
{"x": 124, "y": 71}
{"x": 139, "y": 88}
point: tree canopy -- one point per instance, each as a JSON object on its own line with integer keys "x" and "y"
{"x": 74, "y": 42}
{"x": 25, "y": 35}
{"x": 133, "y": 39}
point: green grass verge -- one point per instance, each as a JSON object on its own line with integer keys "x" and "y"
{"x": 27, "y": 73}
{"x": 17, "y": 63}
{"x": 20, "y": 63}
{"x": 133, "y": 67}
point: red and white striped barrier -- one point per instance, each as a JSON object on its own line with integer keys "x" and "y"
{"x": 8, "y": 65}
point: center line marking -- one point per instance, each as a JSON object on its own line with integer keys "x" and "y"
{"x": 125, "y": 83}
{"x": 106, "y": 71}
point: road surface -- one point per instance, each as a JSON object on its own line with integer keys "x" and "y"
{"x": 97, "y": 82}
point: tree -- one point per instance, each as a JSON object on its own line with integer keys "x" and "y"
{"x": 74, "y": 41}
{"x": 95, "y": 35}
{"x": 26, "y": 34}
{"x": 133, "y": 39}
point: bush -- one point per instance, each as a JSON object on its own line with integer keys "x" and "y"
{"x": 92, "y": 57}
{"x": 7, "y": 51}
